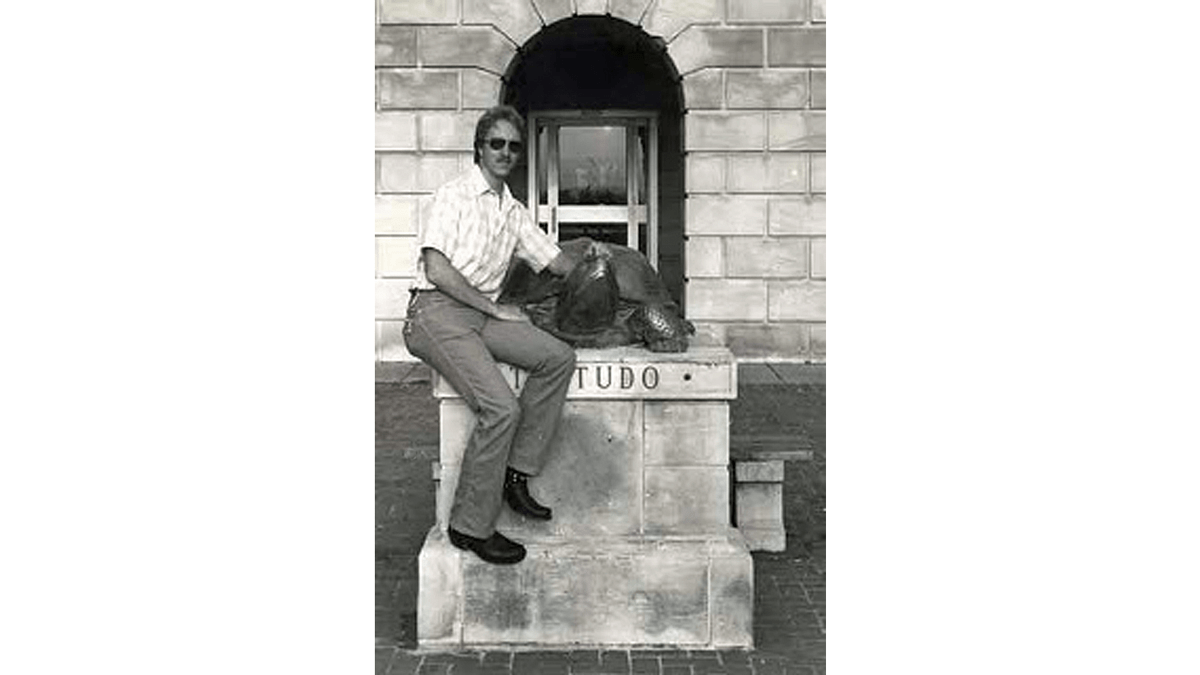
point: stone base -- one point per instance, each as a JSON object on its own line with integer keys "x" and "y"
{"x": 682, "y": 592}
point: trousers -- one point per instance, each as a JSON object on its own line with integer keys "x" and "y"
{"x": 464, "y": 346}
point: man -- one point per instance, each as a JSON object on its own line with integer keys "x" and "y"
{"x": 474, "y": 227}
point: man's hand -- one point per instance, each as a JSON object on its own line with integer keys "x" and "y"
{"x": 510, "y": 313}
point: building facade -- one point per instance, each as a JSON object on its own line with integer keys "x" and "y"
{"x": 691, "y": 129}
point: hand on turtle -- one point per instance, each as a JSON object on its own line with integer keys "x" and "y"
{"x": 510, "y": 313}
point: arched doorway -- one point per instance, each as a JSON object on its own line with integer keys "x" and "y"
{"x": 605, "y": 111}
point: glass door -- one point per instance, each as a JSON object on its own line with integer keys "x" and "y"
{"x": 594, "y": 174}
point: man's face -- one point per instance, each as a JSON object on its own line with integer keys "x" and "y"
{"x": 499, "y": 162}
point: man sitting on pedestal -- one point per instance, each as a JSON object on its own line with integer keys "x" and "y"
{"x": 473, "y": 229}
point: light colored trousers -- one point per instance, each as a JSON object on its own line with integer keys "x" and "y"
{"x": 464, "y": 345}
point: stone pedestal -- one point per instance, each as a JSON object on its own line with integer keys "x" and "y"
{"x": 640, "y": 551}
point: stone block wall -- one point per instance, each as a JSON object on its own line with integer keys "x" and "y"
{"x": 753, "y": 74}
{"x": 754, "y": 83}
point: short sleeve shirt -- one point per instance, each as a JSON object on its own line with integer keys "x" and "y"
{"x": 479, "y": 232}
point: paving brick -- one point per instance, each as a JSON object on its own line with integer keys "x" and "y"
{"x": 818, "y": 172}
{"x": 554, "y": 10}
{"x": 383, "y": 656}
{"x": 734, "y": 657}
{"x": 395, "y": 256}
{"x": 404, "y": 663}
{"x": 818, "y": 89}
{"x": 418, "y": 11}
{"x": 796, "y": 300}
{"x": 796, "y": 46}
{"x": 705, "y": 257}
{"x": 629, "y": 10}
{"x": 427, "y": 89}
{"x": 726, "y": 300}
{"x": 667, "y": 18}
{"x": 698, "y": 48}
{"x": 804, "y": 215}
{"x": 705, "y": 172}
{"x": 757, "y": 11}
{"x": 480, "y": 90}
{"x": 773, "y": 172}
{"x": 395, "y": 214}
{"x": 615, "y": 661}
{"x": 726, "y": 131}
{"x": 642, "y": 665}
{"x": 796, "y": 130}
{"x": 448, "y": 131}
{"x": 766, "y": 88}
{"x": 465, "y": 46}
{"x": 755, "y": 257}
{"x": 395, "y": 131}
{"x": 517, "y": 19}
{"x": 711, "y": 215}
{"x": 817, "y": 270}
{"x": 395, "y": 45}
{"x": 703, "y": 89}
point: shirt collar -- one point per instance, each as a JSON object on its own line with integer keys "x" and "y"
{"x": 480, "y": 186}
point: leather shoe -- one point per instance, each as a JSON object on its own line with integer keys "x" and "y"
{"x": 496, "y": 549}
{"x": 516, "y": 493}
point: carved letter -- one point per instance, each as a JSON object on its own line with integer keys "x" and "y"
{"x": 600, "y": 380}
{"x": 580, "y": 370}
{"x": 626, "y": 377}
{"x": 650, "y": 377}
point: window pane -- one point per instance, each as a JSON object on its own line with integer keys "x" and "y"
{"x": 543, "y": 161}
{"x": 591, "y": 165}
{"x": 606, "y": 232}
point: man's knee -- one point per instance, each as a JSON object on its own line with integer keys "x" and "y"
{"x": 499, "y": 411}
{"x": 562, "y": 357}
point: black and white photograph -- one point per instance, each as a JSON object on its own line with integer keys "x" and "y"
{"x": 600, "y": 336}
{"x": 555, "y": 397}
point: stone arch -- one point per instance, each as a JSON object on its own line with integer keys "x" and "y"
{"x": 600, "y": 62}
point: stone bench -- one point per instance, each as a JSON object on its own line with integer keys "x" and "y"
{"x": 641, "y": 551}
{"x": 758, "y": 463}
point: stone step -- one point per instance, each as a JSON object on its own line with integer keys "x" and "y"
{"x": 570, "y": 592}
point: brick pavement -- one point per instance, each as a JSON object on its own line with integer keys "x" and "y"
{"x": 789, "y": 587}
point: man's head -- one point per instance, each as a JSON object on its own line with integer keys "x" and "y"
{"x": 499, "y": 140}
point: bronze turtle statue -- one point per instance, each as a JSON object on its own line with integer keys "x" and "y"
{"x": 612, "y": 297}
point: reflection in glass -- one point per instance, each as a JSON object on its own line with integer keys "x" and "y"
{"x": 612, "y": 233}
{"x": 591, "y": 165}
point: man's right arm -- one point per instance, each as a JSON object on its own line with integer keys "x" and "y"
{"x": 450, "y": 281}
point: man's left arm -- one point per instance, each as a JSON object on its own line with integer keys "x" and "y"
{"x": 539, "y": 250}
{"x": 561, "y": 265}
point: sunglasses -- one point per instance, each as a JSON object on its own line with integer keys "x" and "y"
{"x": 498, "y": 144}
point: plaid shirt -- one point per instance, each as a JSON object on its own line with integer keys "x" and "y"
{"x": 479, "y": 232}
